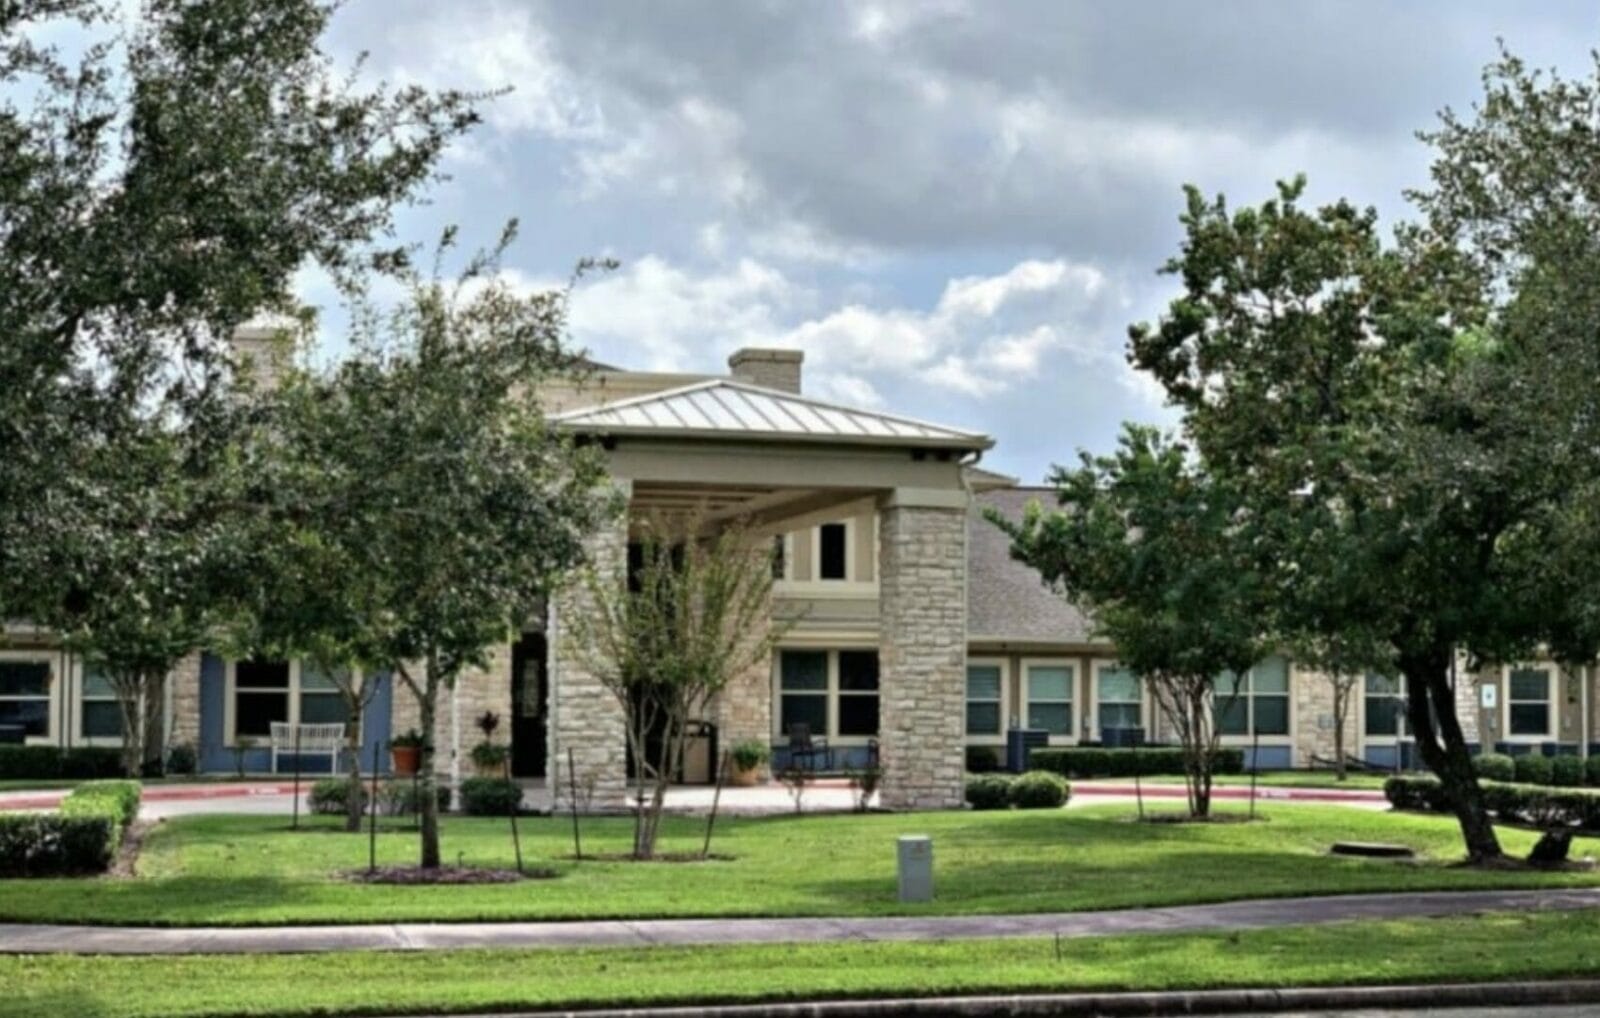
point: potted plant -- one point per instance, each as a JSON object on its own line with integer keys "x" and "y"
{"x": 748, "y": 757}
{"x": 406, "y": 751}
{"x": 490, "y": 759}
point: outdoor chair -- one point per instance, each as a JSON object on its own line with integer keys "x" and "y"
{"x": 805, "y": 746}
{"x": 308, "y": 740}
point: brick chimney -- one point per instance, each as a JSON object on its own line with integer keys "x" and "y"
{"x": 766, "y": 367}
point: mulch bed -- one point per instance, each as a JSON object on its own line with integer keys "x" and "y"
{"x": 658, "y": 857}
{"x": 127, "y": 860}
{"x": 415, "y": 875}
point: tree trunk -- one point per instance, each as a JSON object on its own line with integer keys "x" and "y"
{"x": 428, "y": 782}
{"x": 130, "y": 703}
{"x": 155, "y": 718}
{"x": 1444, "y": 748}
{"x": 1341, "y": 707}
{"x": 353, "y": 803}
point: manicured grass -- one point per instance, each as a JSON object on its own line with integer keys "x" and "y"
{"x": 1482, "y": 948}
{"x": 1282, "y": 779}
{"x": 252, "y": 870}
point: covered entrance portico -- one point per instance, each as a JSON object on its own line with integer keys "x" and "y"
{"x": 722, "y": 452}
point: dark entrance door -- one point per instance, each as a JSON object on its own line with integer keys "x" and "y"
{"x": 530, "y": 704}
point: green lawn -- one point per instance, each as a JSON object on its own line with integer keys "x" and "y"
{"x": 1280, "y": 779}
{"x": 1482, "y": 948}
{"x": 252, "y": 870}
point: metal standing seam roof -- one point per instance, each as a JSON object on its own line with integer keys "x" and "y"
{"x": 723, "y": 408}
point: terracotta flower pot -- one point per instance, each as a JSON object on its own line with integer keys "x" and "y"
{"x": 407, "y": 759}
{"x": 746, "y": 778}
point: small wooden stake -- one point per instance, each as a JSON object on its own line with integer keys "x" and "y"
{"x": 572, "y": 796}
{"x": 516, "y": 807}
{"x": 716, "y": 798}
{"x": 295, "y": 823}
{"x": 372, "y": 822}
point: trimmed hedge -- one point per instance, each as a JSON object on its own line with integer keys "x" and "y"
{"x": 1533, "y": 769}
{"x": 982, "y": 759}
{"x": 82, "y": 837}
{"x": 328, "y": 797}
{"x": 83, "y": 763}
{"x": 989, "y": 791}
{"x": 1591, "y": 770}
{"x": 1039, "y": 790}
{"x": 1097, "y": 762}
{"x": 1534, "y": 805}
{"x": 1566, "y": 771}
{"x": 490, "y": 797}
{"x": 1495, "y": 767}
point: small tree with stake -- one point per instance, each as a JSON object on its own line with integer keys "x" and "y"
{"x": 1148, "y": 543}
{"x": 668, "y": 638}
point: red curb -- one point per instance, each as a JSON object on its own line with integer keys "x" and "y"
{"x": 49, "y": 799}
{"x": 1235, "y": 792}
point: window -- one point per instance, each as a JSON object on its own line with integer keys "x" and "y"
{"x": 985, "y": 698}
{"x": 803, "y": 676}
{"x": 25, "y": 696}
{"x": 1262, "y": 704}
{"x": 260, "y": 696}
{"x": 831, "y": 692}
{"x": 833, "y": 551}
{"x": 322, "y": 702}
{"x": 101, "y": 715}
{"x": 1385, "y": 707}
{"x": 1047, "y": 689}
{"x": 1118, "y": 691}
{"x": 1528, "y": 702}
{"x": 858, "y": 692}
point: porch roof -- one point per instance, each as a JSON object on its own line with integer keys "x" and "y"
{"x": 724, "y": 409}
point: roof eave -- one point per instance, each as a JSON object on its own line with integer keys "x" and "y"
{"x": 963, "y": 443}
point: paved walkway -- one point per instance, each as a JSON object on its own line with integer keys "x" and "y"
{"x": 1239, "y": 915}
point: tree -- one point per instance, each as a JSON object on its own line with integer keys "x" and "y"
{"x": 156, "y": 190}
{"x": 422, "y": 468}
{"x": 1155, "y": 549}
{"x": 667, "y": 637}
{"x": 1412, "y": 425}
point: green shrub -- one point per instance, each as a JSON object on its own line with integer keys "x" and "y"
{"x": 982, "y": 759}
{"x": 490, "y": 797}
{"x": 1495, "y": 767}
{"x": 750, "y": 754}
{"x": 989, "y": 791}
{"x": 1099, "y": 762}
{"x": 53, "y": 845}
{"x": 1533, "y": 769}
{"x": 1534, "y": 805}
{"x": 402, "y": 798}
{"x": 1039, "y": 790}
{"x": 1415, "y": 793}
{"x": 1591, "y": 770}
{"x": 119, "y": 798}
{"x": 331, "y": 796}
{"x": 181, "y": 759}
{"x": 84, "y": 763}
{"x": 1566, "y": 771}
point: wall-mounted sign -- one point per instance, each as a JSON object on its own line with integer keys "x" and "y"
{"x": 1488, "y": 696}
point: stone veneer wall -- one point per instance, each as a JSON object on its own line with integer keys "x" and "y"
{"x": 477, "y": 690}
{"x": 183, "y": 685}
{"x": 584, "y": 717}
{"x": 743, "y": 710}
{"x": 922, "y": 658}
{"x": 1312, "y": 720}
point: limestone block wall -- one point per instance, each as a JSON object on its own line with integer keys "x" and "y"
{"x": 1312, "y": 718}
{"x": 477, "y": 690}
{"x": 584, "y": 717}
{"x": 743, "y": 710}
{"x": 922, "y": 658}
{"x": 183, "y": 688}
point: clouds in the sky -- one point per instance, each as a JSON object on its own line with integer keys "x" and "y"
{"x": 955, "y": 208}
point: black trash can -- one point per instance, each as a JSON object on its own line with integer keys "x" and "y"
{"x": 1019, "y": 743}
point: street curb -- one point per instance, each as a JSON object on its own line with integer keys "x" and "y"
{"x": 1545, "y": 993}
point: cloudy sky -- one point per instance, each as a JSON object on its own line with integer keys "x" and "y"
{"x": 955, "y": 207}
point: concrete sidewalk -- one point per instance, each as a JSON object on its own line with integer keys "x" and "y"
{"x": 1239, "y": 915}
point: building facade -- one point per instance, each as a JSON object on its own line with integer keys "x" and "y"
{"x": 909, "y": 632}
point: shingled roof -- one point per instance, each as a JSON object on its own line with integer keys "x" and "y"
{"x": 1007, "y": 602}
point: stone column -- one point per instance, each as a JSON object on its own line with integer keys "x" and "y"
{"x": 743, "y": 710}
{"x": 479, "y": 690}
{"x": 1312, "y": 692}
{"x": 183, "y": 686}
{"x": 584, "y": 716}
{"x": 922, "y": 585}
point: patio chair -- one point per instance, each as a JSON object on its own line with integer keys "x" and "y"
{"x": 805, "y": 746}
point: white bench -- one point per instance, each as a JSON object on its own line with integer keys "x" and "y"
{"x": 314, "y": 740}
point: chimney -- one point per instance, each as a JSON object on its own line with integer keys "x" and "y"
{"x": 768, "y": 368}
{"x": 261, "y": 351}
